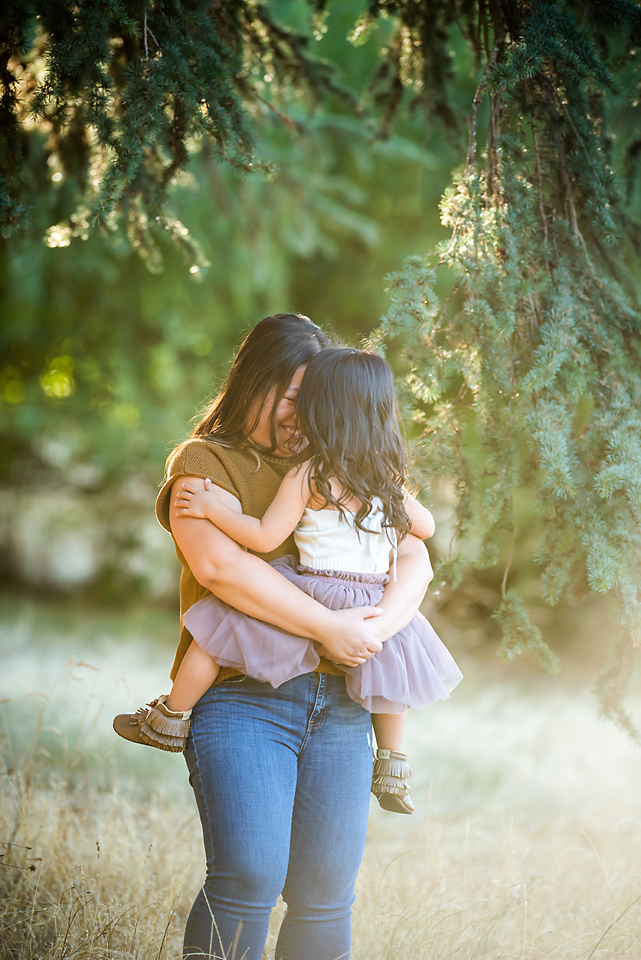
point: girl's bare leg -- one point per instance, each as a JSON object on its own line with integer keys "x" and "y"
{"x": 389, "y": 729}
{"x": 195, "y": 676}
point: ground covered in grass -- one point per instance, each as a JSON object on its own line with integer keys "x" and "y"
{"x": 526, "y": 842}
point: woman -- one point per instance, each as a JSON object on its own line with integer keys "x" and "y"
{"x": 281, "y": 776}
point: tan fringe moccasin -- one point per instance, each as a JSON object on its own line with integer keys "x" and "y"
{"x": 156, "y": 726}
{"x": 389, "y": 781}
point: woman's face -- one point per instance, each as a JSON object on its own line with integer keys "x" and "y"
{"x": 288, "y": 442}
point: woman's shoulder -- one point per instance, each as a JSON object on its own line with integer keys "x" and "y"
{"x": 235, "y": 468}
{"x": 198, "y": 457}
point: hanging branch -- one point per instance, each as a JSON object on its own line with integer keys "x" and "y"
{"x": 476, "y": 102}
{"x": 103, "y": 95}
{"x": 539, "y": 180}
{"x": 532, "y": 383}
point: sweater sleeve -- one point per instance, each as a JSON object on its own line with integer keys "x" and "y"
{"x": 196, "y": 458}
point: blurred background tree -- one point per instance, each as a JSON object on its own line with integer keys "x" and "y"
{"x": 111, "y": 327}
{"x": 118, "y": 325}
{"x": 195, "y": 166}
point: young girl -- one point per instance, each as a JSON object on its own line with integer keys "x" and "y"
{"x": 348, "y": 509}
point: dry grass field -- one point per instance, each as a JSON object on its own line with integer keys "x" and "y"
{"x": 526, "y": 842}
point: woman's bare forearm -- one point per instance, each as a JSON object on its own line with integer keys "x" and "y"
{"x": 250, "y": 585}
{"x": 253, "y": 587}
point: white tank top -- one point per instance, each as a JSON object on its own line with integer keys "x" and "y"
{"x": 329, "y": 540}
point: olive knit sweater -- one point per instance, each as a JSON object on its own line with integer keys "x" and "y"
{"x": 251, "y": 476}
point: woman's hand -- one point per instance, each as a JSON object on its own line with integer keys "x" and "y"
{"x": 348, "y": 641}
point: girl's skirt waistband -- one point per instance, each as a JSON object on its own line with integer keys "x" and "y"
{"x": 342, "y": 575}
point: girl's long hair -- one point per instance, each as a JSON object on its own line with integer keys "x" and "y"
{"x": 346, "y": 408}
{"x": 267, "y": 358}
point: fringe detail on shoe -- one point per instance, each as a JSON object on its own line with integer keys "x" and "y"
{"x": 389, "y": 785}
{"x": 161, "y": 703}
{"x": 162, "y": 741}
{"x": 161, "y": 721}
{"x": 392, "y": 765}
{"x": 141, "y": 713}
{"x": 391, "y": 771}
{"x": 162, "y": 728}
{"x": 392, "y": 768}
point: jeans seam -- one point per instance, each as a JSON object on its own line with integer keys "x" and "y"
{"x": 210, "y": 833}
{"x": 321, "y": 686}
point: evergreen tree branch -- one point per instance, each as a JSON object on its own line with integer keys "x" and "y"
{"x": 476, "y": 103}
{"x": 532, "y": 384}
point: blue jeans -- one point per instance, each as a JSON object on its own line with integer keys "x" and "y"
{"x": 282, "y": 781}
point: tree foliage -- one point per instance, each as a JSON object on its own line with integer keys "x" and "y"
{"x": 524, "y": 382}
{"x": 120, "y": 91}
{"x": 104, "y": 361}
{"x": 520, "y": 333}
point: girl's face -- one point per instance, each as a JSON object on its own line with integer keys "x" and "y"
{"x": 288, "y": 441}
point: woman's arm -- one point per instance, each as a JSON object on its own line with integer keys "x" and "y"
{"x": 423, "y": 525}
{"x": 250, "y": 585}
{"x": 402, "y": 598}
{"x": 262, "y": 535}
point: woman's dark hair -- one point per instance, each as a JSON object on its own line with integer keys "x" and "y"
{"x": 267, "y": 358}
{"x": 346, "y": 407}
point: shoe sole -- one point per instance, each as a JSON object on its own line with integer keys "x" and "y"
{"x": 393, "y": 803}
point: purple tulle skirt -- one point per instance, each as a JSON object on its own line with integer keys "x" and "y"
{"x": 414, "y": 667}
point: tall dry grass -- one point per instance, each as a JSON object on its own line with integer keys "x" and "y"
{"x": 526, "y": 842}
